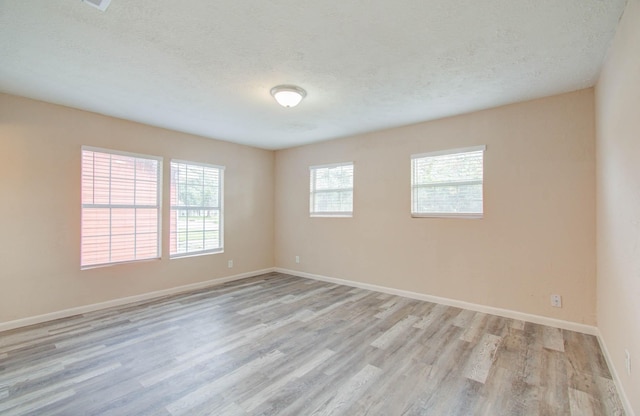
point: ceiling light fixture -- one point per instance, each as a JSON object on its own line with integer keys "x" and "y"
{"x": 288, "y": 95}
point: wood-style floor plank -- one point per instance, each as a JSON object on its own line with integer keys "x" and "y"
{"x": 282, "y": 345}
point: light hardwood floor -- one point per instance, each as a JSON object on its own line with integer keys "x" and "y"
{"x": 283, "y": 345}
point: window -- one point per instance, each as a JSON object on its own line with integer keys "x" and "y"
{"x": 331, "y": 190}
{"x": 120, "y": 207}
{"x": 196, "y": 209}
{"x": 447, "y": 183}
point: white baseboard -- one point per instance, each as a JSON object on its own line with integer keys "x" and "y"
{"x": 543, "y": 320}
{"x": 18, "y": 323}
{"x": 616, "y": 379}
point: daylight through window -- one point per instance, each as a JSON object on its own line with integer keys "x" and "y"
{"x": 120, "y": 207}
{"x": 331, "y": 190}
{"x": 196, "y": 209}
{"x": 448, "y": 183}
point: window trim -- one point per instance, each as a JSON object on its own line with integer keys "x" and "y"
{"x": 221, "y": 170}
{"x": 159, "y": 187}
{"x": 313, "y": 191}
{"x": 470, "y": 149}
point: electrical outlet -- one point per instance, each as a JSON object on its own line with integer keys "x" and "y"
{"x": 556, "y": 301}
{"x": 230, "y": 264}
{"x": 627, "y": 361}
{"x": 297, "y": 259}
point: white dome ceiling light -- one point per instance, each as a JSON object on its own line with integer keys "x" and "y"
{"x": 288, "y": 95}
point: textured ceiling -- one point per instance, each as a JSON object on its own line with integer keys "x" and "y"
{"x": 206, "y": 66}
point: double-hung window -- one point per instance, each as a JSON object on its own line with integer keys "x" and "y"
{"x": 120, "y": 207}
{"x": 196, "y": 209}
{"x": 448, "y": 183}
{"x": 331, "y": 190}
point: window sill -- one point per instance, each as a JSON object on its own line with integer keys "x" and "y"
{"x": 448, "y": 216}
{"x": 196, "y": 254}
{"x": 331, "y": 215}
{"x": 97, "y": 266}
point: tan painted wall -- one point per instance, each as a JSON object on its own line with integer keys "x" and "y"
{"x": 618, "y": 200}
{"x": 40, "y": 208}
{"x": 537, "y": 236}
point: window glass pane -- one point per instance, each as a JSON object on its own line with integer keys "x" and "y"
{"x": 95, "y": 250}
{"x": 211, "y": 240}
{"x": 101, "y": 177}
{"x": 458, "y": 167}
{"x": 331, "y": 189}
{"x": 336, "y": 201}
{"x": 123, "y": 221}
{"x": 449, "y": 199}
{"x": 211, "y": 189}
{"x": 322, "y": 178}
{"x": 181, "y": 242}
{"x": 122, "y": 191}
{"x": 194, "y": 242}
{"x": 146, "y": 170}
{"x": 101, "y": 190}
{"x": 448, "y": 183}
{"x": 96, "y": 222}
{"x": 122, "y": 167}
{"x": 146, "y": 192}
{"x": 122, "y": 248}
{"x": 211, "y": 220}
{"x": 146, "y": 244}
{"x": 196, "y": 208}
{"x": 146, "y": 220}
{"x": 113, "y": 228}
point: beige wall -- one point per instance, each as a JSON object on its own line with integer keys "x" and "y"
{"x": 537, "y": 236}
{"x": 40, "y": 210}
{"x": 618, "y": 200}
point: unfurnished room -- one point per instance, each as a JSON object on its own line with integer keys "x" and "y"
{"x": 319, "y": 208}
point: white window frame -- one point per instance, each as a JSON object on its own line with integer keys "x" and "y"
{"x": 314, "y": 191}
{"x": 414, "y": 186}
{"x": 157, "y": 206}
{"x": 220, "y": 209}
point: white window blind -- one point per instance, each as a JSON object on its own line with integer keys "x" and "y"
{"x": 196, "y": 209}
{"x": 448, "y": 183}
{"x": 120, "y": 207}
{"x": 331, "y": 190}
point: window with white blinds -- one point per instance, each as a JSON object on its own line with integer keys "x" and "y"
{"x": 448, "y": 183}
{"x": 120, "y": 207}
{"x": 331, "y": 190}
{"x": 196, "y": 209}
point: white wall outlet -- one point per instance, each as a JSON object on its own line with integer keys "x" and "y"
{"x": 556, "y": 301}
{"x": 627, "y": 361}
{"x": 230, "y": 264}
{"x": 297, "y": 259}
